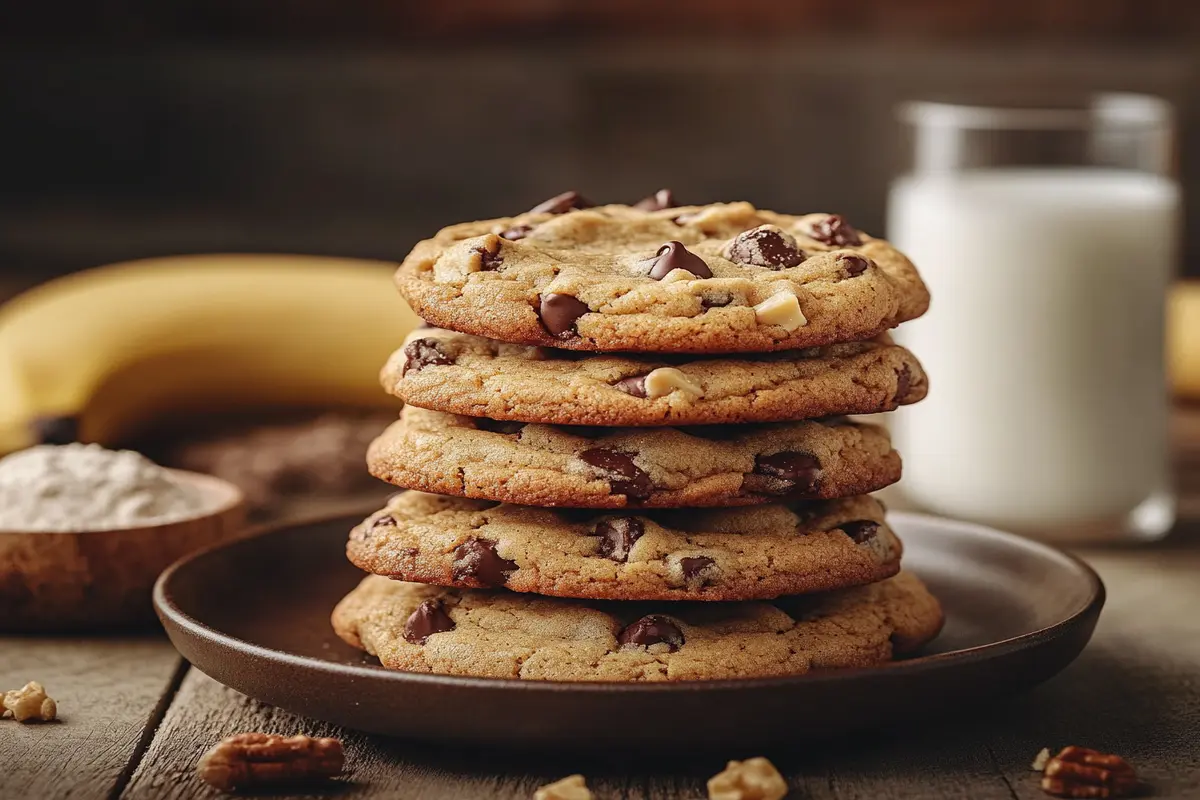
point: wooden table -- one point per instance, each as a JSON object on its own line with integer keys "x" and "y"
{"x": 135, "y": 717}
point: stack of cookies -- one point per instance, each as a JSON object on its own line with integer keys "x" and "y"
{"x": 626, "y": 444}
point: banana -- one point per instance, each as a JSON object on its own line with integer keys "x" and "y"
{"x": 1183, "y": 339}
{"x": 121, "y": 346}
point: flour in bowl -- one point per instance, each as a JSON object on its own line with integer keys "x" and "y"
{"x": 81, "y": 487}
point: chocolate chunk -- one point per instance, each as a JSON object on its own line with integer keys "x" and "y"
{"x": 516, "y": 232}
{"x": 429, "y": 618}
{"x": 635, "y": 386}
{"x": 697, "y": 570}
{"x": 854, "y": 265}
{"x": 784, "y": 473}
{"x": 561, "y": 204}
{"x": 903, "y": 382}
{"x": 834, "y": 230}
{"x": 489, "y": 261}
{"x": 860, "y": 530}
{"x": 624, "y": 477}
{"x": 653, "y": 629}
{"x": 673, "y": 255}
{"x": 764, "y": 247}
{"x": 498, "y": 425}
{"x": 478, "y": 559}
{"x": 661, "y": 199}
{"x": 421, "y": 353}
{"x": 715, "y": 299}
{"x": 559, "y": 312}
{"x": 617, "y": 537}
{"x": 55, "y": 430}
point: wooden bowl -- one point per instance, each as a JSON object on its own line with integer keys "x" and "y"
{"x": 101, "y": 580}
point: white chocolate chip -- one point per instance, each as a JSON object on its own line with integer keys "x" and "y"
{"x": 572, "y": 787}
{"x": 781, "y": 309}
{"x": 664, "y": 380}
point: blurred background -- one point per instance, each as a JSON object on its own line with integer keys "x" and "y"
{"x": 135, "y": 129}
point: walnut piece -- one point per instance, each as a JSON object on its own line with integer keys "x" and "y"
{"x": 265, "y": 759}
{"x": 572, "y": 787}
{"x": 1080, "y": 772}
{"x": 752, "y": 779}
{"x": 1039, "y": 761}
{"x": 30, "y": 703}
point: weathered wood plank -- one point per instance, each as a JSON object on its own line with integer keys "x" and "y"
{"x": 108, "y": 691}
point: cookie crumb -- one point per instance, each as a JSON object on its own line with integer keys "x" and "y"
{"x": 572, "y": 787}
{"x": 1039, "y": 761}
{"x": 30, "y": 703}
{"x": 752, "y": 779}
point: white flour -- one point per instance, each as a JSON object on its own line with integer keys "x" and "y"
{"x": 79, "y": 487}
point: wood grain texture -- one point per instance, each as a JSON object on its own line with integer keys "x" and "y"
{"x": 107, "y": 690}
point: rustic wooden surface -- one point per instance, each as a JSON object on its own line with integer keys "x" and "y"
{"x": 135, "y": 720}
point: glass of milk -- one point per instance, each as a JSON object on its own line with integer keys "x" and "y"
{"x": 1047, "y": 238}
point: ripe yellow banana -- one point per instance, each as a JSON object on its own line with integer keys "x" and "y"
{"x": 1183, "y": 339}
{"x": 125, "y": 345}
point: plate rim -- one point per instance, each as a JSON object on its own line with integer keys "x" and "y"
{"x": 172, "y": 615}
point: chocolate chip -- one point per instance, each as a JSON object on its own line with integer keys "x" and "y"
{"x": 624, "y": 477}
{"x": 489, "y": 261}
{"x": 673, "y": 255}
{"x": 764, "y": 247}
{"x": 834, "y": 230}
{"x": 478, "y": 559}
{"x": 784, "y": 473}
{"x": 697, "y": 570}
{"x": 860, "y": 530}
{"x": 386, "y": 521}
{"x": 421, "y": 353}
{"x": 498, "y": 425}
{"x": 635, "y": 386}
{"x": 653, "y": 629}
{"x": 903, "y": 383}
{"x": 429, "y": 618}
{"x": 516, "y": 232}
{"x": 55, "y": 430}
{"x": 561, "y": 204}
{"x": 854, "y": 265}
{"x": 559, "y": 312}
{"x": 617, "y": 537}
{"x": 661, "y": 199}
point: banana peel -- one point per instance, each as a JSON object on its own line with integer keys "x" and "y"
{"x": 123, "y": 346}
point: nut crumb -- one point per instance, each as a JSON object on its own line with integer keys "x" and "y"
{"x": 782, "y": 309}
{"x": 1039, "y": 761}
{"x": 262, "y": 759}
{"x": 752, "y": 779}
{"x": 1081, "y": 772}
{"x": 572, "y": 787}
{"x": 30, "y": 703}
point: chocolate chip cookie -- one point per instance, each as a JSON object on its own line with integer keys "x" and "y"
{"x": 705, "y": 465}
{"x": 749, "y": 553}
{"x": 719, "y": 278}
{"x": 421, "y": 628}
{"x": 464, "y": 374}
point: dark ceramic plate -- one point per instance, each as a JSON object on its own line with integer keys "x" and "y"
{"x": 254, "y": 614}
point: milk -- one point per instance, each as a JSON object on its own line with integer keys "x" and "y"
{"x": 1048, "y": 406}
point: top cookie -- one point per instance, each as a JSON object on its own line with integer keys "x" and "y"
{"x": 725, "y": 277}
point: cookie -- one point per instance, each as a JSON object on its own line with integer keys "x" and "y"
{"x": 719, "y": 278}
{"x": 585, "y": 467}
{"x": 421, "y": 628}
{"x": 749, "y": 553}
{"x": 464, "y": 374}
